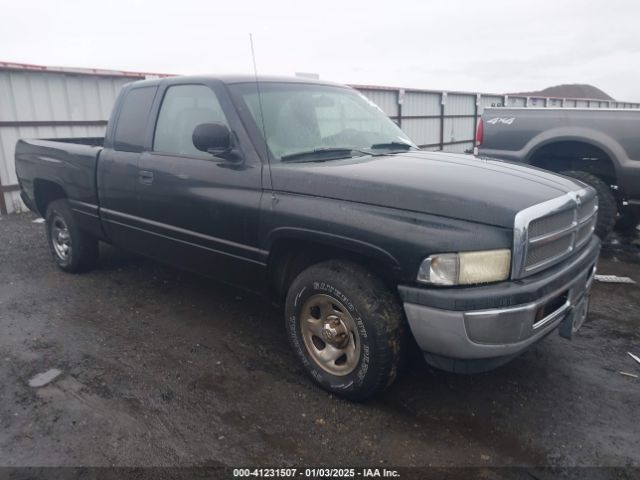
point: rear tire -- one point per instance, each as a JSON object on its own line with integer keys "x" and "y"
{"x": 346, "y": 327}
{"x": 607, "y": 204}
{"x": 72, "y": 249}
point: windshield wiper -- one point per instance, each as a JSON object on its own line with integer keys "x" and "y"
{"x": 404, "y": 146}
{"x": 323, "y": 154}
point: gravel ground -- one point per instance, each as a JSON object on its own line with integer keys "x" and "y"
{"x": 161, "y": 367}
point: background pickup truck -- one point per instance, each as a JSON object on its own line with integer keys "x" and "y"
{"x": 598, "y": 147}
{"x": 306, "y": 191}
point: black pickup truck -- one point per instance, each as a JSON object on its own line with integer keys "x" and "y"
{"x": 305, "y": 191}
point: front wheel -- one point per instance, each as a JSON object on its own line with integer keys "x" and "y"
{"x": 346, "y": 327}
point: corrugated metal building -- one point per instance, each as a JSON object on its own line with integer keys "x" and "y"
{"x": 438, "y": 120}
{"x": 48, "y": 102}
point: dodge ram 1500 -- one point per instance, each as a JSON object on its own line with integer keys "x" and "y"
{"x": 306, "y": 191}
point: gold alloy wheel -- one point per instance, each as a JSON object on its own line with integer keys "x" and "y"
{"x": 330, "y": 334}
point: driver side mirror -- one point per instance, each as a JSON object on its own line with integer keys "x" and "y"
{"x": 213, "y": 138}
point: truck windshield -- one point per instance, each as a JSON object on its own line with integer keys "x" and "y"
{"x": 307, "y": 121}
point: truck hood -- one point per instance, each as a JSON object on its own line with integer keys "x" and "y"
{"x": 451, "y": 185}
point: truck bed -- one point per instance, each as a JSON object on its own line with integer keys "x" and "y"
{"x": 89, "y": 141}
{"x": 70, "y": 162}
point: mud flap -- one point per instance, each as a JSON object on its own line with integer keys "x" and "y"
{"x": 575, "y": 319}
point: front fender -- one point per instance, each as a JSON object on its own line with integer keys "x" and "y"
{"x": 399, "y": 239}
{"x": 332, "y": 240}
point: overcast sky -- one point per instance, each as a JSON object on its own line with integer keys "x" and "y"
{"x": 490, "y": 46}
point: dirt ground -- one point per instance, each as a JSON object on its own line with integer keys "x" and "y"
{"x": 161, "y": 367}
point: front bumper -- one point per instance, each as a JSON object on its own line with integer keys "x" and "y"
{"x": 497, "y": 321}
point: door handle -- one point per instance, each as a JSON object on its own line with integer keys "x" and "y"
{"x": 145, "y": 177}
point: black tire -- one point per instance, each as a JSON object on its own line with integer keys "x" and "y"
{"x": 376, "y": 313}
{"x": 627, "y": 222}
{"x": 82, "y": 254}
{"x": 607, "y": 204}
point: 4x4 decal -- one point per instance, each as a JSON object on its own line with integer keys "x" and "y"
{"x": 506, "y": 121}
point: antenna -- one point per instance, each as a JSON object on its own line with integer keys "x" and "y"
{"x": 264, "y": 129}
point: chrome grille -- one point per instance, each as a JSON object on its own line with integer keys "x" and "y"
{"x": 586, "y": 208}
{"x": 552, "y": 223}
{"x": 547, "y": 233}
{"x": 538, "y": 254}
{"x": 585, "y": 230}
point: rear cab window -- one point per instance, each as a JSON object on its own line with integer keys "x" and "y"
{"x": 132, "y": 121}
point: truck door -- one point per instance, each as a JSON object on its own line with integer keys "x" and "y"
{"x": 118, "y": 167}
{"x": 200, "y": 212}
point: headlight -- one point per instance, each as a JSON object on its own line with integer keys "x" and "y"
{"x": 466, "y": 268}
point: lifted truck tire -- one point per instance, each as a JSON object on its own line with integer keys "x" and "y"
{"x": 607, "y": 204}
{"x": 73, "y": 250}
{"x": 346, "y": 327}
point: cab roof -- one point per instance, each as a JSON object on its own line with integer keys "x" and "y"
{"x": 234, "y": 79}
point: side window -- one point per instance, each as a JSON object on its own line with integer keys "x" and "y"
{"x": 184, "y": 107}
{"x": 132, "y": 121}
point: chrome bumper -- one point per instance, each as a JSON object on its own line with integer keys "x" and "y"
{"x": 497, "y": 332}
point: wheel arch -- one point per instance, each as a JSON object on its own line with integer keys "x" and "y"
{"x": 606, "y": 167}
{"x": 292, "y": 250}
{"x": 45, "y": 192}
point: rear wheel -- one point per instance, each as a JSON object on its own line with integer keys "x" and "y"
{"x": 607, "y": 204}
{"x": 72, "y": 249}
{"x": 346, "y": 327}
